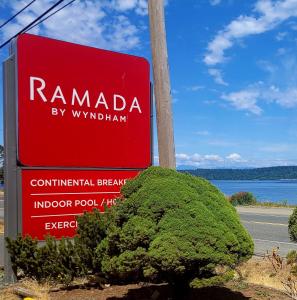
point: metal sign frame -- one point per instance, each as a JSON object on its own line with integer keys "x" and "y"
{"x": 12, "y": 222}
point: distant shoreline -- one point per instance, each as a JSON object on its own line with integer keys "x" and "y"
{"x": 268, "y": 173}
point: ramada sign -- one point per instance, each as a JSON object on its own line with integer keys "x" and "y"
{"x": 83, "y": 128}
{"x": 81, "y": 107}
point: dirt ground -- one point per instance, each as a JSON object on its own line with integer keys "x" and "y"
{"x": 256, "y": 279}
{"x": 232, "y": 291}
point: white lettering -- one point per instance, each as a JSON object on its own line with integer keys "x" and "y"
{"x": 60, "y": 225}
{"x": 115, "y": 102}
{"x": 76, "y": 113}
{"x": 123, "y": 118}
{"x": 58, "y": 95}
{"x": 83, "y": 203}
{"x": 135, "y": 104}
{"x": 39, "y": 89}
{"x": 62, "y": 111}
{"x": 54, "y": 111}
{"x": 86, "y": 98}
{"x": 101, "y": 100}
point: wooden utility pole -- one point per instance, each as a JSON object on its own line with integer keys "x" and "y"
{"x": 161, "y": 84}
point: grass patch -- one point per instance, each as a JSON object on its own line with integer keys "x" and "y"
{"x": 261, "y": 272}
{"x": 39, "y": 291}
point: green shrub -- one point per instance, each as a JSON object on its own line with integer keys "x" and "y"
{"x": 291, "y": 257}
{"x": 24, "y": 257}
{"x": 292, "y": 227}
{"x": 91, "y": 230}
{"x": 172, "y": 227}
{"x": 59, "y": 260}
{"x": 292, "y": 261}
{"x": 243, "y": 198}
{"x": 55, "y": 260}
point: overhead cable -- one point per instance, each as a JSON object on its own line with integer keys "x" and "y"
{"x": 32, "y": 23}
{"x": 11, "y": 18}
{"x": 50, "y": 15}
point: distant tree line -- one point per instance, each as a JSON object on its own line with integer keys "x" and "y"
{"x": 269, "y": 173}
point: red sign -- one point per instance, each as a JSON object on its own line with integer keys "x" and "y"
{"x": 53, "y": 198}
{"x": 80, "y": 106}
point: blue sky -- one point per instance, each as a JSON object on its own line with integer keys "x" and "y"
{"x": 233, "y": 69}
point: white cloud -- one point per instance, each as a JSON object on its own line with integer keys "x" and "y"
{"x": 267, "y": 15}
{"x": 101, "y": 24}
{"x": 213, "y": 157}
{"x": 139, "y": 6}
{"x": 124, "y": 35}
{"x": 197, "y": 159}
{"x": 214, "y": 2}
{"x": 124, "y": 4}
{"x": 142, "y": 8}
{"x": 208, "y": 160}
{"x": 286, "y": 98}
{"x": 247, "y": 99}
{"x": 233, "y": 160}
{"x": 281, "y": 35}
{"x": 244, "y": 100}
{"x": 235, "y": 157}
{"x": 182, "y": 156}
{"x": 217, "y": 76}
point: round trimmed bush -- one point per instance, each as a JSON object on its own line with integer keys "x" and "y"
{"x": 172, "y": 227}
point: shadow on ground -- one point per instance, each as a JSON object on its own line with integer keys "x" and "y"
{"x": 164, "y": 293}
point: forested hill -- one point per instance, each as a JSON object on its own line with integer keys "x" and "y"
{"x": 247, "y": 174}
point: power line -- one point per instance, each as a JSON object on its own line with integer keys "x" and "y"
{"x": 32, "y": 23}
{"x": 11, "y": 18}
{"x": 50, "y": 15}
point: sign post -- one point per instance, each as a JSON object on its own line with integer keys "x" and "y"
{"x": 11, "y": 218}
{"x": 77, "y": 126}
{"x": 162, "y": 84}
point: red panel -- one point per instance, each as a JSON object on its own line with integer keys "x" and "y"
{"x": 58, "y": 126}
{"x": 52, "y": 198}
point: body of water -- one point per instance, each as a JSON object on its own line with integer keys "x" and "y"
{"x": 263, "y": 190}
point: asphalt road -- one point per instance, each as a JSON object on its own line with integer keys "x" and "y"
{"x": 267, "y": 226}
